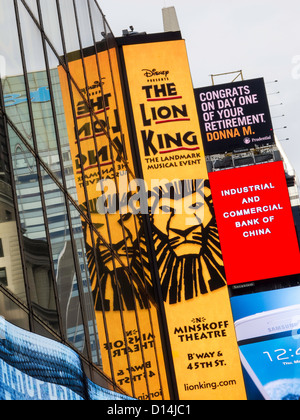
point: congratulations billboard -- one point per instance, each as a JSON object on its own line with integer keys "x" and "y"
{"x": 255, "y": 221}
{"x": 234, "y": 116}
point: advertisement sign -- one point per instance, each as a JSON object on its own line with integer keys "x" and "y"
{"x": 36, "y": 368}
{"x": 255, "y": 222}
{"x": 267, "y": 326}
{"x": 184, "y": 231}
{"x": 129, "y": 334}
{"x": 234, "y": 116}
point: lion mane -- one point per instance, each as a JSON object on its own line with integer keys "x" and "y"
{"x": 187, "y": 277}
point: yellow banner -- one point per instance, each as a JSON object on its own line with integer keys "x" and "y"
{"x": 127, "y": 320}
{"x": 185, "y": 234}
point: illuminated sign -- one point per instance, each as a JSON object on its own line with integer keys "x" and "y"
{"x": 165, "y": 117}
{"x": 267, "y": 326}
{"x": 234, "y": 116}
{"x": 42, "y": 369}
{"x": 186, "y": 241}
{"x": 255, "y": 221}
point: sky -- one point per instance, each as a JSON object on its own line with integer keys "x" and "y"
{"x": 259, "y": 37}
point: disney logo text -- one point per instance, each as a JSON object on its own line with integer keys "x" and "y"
{"x": 154, "y": 72}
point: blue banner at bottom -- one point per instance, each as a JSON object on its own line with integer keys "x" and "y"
{"x": 36, "y": 368}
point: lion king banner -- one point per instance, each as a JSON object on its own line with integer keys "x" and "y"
{"x": 127, "y": 320}
{"x": 184, "y": 231}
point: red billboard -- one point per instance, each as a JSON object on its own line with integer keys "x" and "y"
{"x": 255, "y": 222}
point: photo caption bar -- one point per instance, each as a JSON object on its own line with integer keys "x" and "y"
{"x": 143, "y": 409}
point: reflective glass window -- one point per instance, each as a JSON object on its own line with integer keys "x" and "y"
{"x": 34, "y": 235}
{"x": 13, "y": 313}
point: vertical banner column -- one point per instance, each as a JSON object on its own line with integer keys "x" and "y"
{"x": 126, "y": 317}
{"x": 184, "y": 231}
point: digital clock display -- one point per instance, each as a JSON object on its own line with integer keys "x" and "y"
{"x": 275, "y": 360}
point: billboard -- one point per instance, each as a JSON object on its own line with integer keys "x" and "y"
{"x": 234, "y": 116}
{"x": 255, "y": 222}
{"x": 33, "y": 367}
{"x": 267, "y": 326}
{"x": 184, "y": 233}
{"x": 127, "y": 322}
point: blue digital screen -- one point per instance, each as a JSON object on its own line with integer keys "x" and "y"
{"x": 17, "y": 386}
{"x": 275, "y": 360}
{"x": 36, "y": 368}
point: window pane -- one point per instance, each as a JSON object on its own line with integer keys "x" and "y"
{"x": 86, "y": 285}
{"x": 3, "y": 277}
{"x": 10, "y": 257}
{"x": 36, "y": 249}
{"x": 64, "y": 264}
{"x": 13, "y": 313}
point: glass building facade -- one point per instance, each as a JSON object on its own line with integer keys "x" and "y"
{"x": 65, "y": 272}
{"x": 120, "y": 293}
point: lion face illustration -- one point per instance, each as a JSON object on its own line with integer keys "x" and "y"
{"x": 187, "y": 243}
{"x": 183, "y": 231}
{"x": 117, "y": 231}
{"x": 112, "y": 286}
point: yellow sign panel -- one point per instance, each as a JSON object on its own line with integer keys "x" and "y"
{"x": 185, "y": 235}
{"x": 127, "y": 321}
